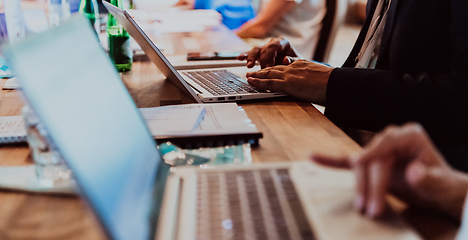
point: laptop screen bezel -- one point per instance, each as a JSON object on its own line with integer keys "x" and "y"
{"x": 158, "y": 185}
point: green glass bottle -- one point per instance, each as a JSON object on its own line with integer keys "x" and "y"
{"x": 89, "y": 9}
{"x": 119, "y": 42}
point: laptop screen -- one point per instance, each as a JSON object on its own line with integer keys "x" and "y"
{"x": 151, "y": 50}
{"x": 79, "y": 97}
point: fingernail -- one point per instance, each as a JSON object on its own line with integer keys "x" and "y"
{"x": 359, "y": 203}
{"x": 420, "y": 168}
{"x": 372, "y": 209}
{"x": 416, "y": 173}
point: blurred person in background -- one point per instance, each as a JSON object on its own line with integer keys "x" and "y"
{"x": 234, "y": 12}
{"x": 298, "y": 21}
{"x": 404, "y": 162}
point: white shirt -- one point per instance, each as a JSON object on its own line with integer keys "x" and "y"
{"x": 367, "y": 57}
{"x": 301, "y": 26}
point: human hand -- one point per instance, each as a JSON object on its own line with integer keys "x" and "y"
{"x": 275, "y": 52}
{"x": 301, "y": 79}
{"x": 185, "y": 4}
{"x": 403, "y": 161}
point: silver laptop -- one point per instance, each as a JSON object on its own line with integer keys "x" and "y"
{"x": 207, "y": 85}
{"x": 135, "y": 195}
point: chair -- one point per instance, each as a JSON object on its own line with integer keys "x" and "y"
{"x": 336, "y": 11}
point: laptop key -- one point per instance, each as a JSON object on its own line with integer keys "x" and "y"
{"x": 222, "y": 82}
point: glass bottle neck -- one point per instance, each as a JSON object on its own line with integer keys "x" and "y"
{"x": 117, "y": 3}
{"x": 89, "y": 6}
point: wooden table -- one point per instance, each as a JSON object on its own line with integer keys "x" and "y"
{"x": 292, "y": 130}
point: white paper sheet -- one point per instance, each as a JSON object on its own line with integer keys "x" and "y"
{"x": 11, "y": 84}
{"x": 220, "y": 118}
{"x": 172, "y": 119}
{"x": 174, "y": 20}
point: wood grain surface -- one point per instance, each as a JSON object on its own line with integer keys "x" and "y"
{"x": 292, "y": 131}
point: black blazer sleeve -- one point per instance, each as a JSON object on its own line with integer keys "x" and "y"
{"x": 421, "y": 76}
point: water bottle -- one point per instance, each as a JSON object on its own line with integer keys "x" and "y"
{"x": 120, "y": 50}
{"x": 14, "y": 20}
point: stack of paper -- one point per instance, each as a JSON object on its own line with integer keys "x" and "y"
{"x": 174, "y": 20}
{"x": 11, "y": 84}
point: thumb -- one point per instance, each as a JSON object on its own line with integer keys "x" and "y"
{"x": 425, "y": 179}
{"x": 437, "y": 187}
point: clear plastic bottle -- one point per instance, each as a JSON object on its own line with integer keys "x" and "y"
{"x": 59, "y": 11}
{"x": 14, "y": 20}
{"x": 51, "y": 170}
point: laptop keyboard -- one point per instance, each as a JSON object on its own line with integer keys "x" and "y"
{"x": 250, "y": 204}
{"x": 220, "y": 82}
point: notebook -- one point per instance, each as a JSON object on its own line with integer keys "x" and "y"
{"x": 135, "y": 195}
{"x": 222, "y": 124}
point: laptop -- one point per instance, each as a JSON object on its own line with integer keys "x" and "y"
{"x": 131, "y": 190}
{"x": 207, "y": 85}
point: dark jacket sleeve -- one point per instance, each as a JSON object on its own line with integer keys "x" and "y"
{"x": 438, "y": 99}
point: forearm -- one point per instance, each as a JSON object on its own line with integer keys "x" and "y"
{"x": 266, "y": 19}
{"x": 372, "y": 99}
{"x": 186, "y": 3}
{"x": 252, "y": 29}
